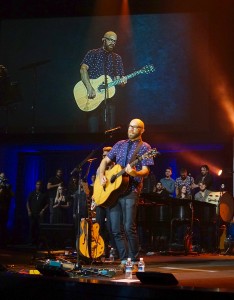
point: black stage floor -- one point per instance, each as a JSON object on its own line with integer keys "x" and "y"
{"x": 35, "y": 274}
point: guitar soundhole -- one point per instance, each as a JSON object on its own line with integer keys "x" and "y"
{"x": 101, "y": 87}
{"x": 112, "y": 180}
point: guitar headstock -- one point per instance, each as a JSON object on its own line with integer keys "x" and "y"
{"x": 148, "y": 69}
{"x": 151, "y": 153}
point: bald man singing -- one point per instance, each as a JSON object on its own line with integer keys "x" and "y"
{"x": 123, "y": 211}
{"x": 102, "y": 62}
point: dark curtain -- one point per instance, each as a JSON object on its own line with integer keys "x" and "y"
{"x": 33, "y": 166}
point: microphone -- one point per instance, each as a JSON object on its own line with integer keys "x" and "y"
{"x": 76, "y": 169}
{"x": 110, "y": 131}
{"x": 91, "y": 159}
{"x": 73, "y": 171}
{"x": 222, "y": 186}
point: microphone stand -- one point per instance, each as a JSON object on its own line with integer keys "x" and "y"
{"x": 77, "y": 219}
{"x": 79, "y": 170}
{"x": 106, "y": 92}
{"x": 78, "y": 263}
{"x": 188, "y": 240}
{"x": 218, "y": 222}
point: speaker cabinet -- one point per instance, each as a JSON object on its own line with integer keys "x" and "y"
{"x": 157, "y": 278}
{"x": 56, "y": 236}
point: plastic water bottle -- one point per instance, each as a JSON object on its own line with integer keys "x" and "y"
{"x": 141, "y": 265}
{"x": 128, "y": 269}
{"x": 112, "y": 254}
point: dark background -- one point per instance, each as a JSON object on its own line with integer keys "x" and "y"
{"x": 42, "y": 43}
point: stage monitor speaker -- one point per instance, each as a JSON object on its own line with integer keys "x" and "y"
{"x": 57, "y": 236}
{"x": 157, "y": 278}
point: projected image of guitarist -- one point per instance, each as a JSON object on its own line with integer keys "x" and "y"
{"x": 120, "y": 187}
{"x": 99, "y": 66}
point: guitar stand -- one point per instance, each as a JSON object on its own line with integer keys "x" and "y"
{"x": 229, "y": 249}
{"x": 188, "y": 239}
{"x": 229, "y": 245}
{"x": 187, "y": 248}
{"x": 78, "y": 265}
{"x": 175, "y": 248}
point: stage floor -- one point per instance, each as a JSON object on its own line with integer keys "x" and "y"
{"x": 202, "y": 273}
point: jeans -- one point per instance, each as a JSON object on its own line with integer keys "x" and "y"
{"x": 123, "y": 226}
{"x": 103, "y": 219}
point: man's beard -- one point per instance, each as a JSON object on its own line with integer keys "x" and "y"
{"x": 107, "y": 48}
{"x": 134, "y": 136}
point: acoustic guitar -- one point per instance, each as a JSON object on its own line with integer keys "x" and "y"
{"x": 117, "y": 182}
{"x": 91, "y": 244}
{"x": 80, "y": 91}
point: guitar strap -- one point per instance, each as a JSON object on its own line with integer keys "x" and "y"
{"x": 114, "y": 64}
{"x": 105, "y": 75}
{"x": 135, "y": 152}
{"x": 133, "y": 157}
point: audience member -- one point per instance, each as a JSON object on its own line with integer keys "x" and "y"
{"x": 184, "y": 180}
{"x": 183, "y": 193}
{"x": 204, "y": 177}
{"x": 60, "y": 206}
{"x": 52, "y": 185}
{"x": 37, "y": 203}
{"x": 203, "y": 193}
{"x": 6, "y": 194}
{"x": 168, "y": 182}
{"x": 160, "y": 192}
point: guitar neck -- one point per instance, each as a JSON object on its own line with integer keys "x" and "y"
{"x": 154, "y": 152}
{"x": 132, "y": 164}
{"x": 118, "y": 81}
